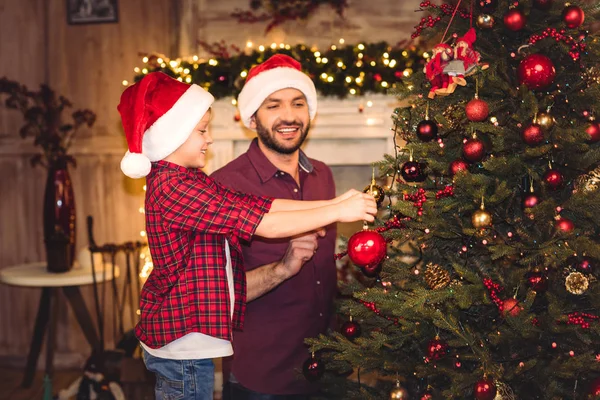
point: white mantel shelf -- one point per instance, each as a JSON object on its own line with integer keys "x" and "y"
{"x": 340, "y": 134}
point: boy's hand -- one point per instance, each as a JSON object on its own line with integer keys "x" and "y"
{"x": 345, "y": 196}
{"x": 300, "y": 250}
{"x": 358, "y": 207}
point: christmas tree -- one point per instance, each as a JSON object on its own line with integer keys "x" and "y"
{"x": 487, "y": 285}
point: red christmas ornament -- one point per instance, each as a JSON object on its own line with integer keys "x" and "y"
{"x": 536, "y": 71}
{"x": 542, "y": 4}
{"x": 487, "y": 5}
{"x": 412, "y": 171}
{"x": 564, "y": 225}
{"x": 473, "y": 150}
{"x": 371, "y": 271}
{"x": 573, "y": 16}
{"x": 530, "y": 200}
{"x": 594, "y": 392}
{"x": 313, "y": 369}
{"x": 351, "y": 329}
{"x": 485, "y": 389}
{"x": 477, "y": 110}
{"x": 594, "y": 131}
{"x": 533, "y": 134}
{"x": 511, "y": 307}
{"x": 537, "y": 281}
{"x": 426, "y": 396}
{"x": 367, "y": 248}
{"x": 427, "y": 130}
{"x": 584, "y": 264}
{"x": 553, "y": 179}
{"x": 458, "y": 165}
{"x": 237, "y": 116}
{"x": 515, "y": 20}
{"x": 437, "y": 348}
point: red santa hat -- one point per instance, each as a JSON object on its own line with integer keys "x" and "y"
{"x": 158, "y": 113}
{"x": 278, "y": 72}
{"x": 469, "y": 37}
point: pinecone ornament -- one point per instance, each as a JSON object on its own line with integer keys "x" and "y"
{"x": 436, "y": 276}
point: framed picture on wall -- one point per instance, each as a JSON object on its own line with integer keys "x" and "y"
{"x": 92, "y": 11}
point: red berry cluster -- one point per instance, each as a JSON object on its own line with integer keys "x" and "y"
{"x": 448, "y": 191}
{"x": 418, "y": 199}
{"x": 371, "y": 306}
{"x": 494, "y": 288}
{"x": 582, "y": 319}
{"x": 430, "y": 22}
{"x": 559, "y": 35}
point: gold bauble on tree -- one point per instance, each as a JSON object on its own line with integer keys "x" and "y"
{"x": 545, "y": 120}
{"x": 398, "y": 392}
{"x": 589, "y": 182}
{"x": 576, "y": 283}
{"x": 481, "y": 218}
{"x": 436, "y": 276}
{"x": 375, "y": 190}
{"x": 485, "y": 21}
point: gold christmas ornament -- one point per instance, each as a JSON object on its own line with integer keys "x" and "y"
{"x": 545, "y": 120}
{"x": 576, "y": 283}
{"x": 398, "y": 392}
{"x": 504, "y": 392}
{"x": 481, "y": 218}
{"x": 589, "y": 182}
{"x": 375, "y": 190}
{"x": 436, "y": 276}
{"x": 485, "y": 21}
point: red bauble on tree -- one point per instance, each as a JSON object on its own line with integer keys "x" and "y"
{"x": 427, "y": 130}
{"x": 477, "y": 110}
{"x": 537, "y": 281}
{"x": 351, "y": 329}
{"x": 485, "y": 389}
{"x": 573, "y": 16}
{"x": 594, "y": 131}
{"x": 458, "y": 165}
{"x": 515, "y": 20}
{"x": 367, "y": 248}
{"x": 412, "y": 171}
{"x": 536, "y": 71}
{"x": 473, "y": 150}
{"x": 530, "y": 200}
{"x": 594, "y": 391}
{"x": 313, "y": 369}
{"x": 554, "y": 179}
{"x": 564, "y": 225}
{"x": 542, "y": 4}
{"x": 437, "y": 348}
{"x": 533, "y": 134}
{"x": 511, "y": 307}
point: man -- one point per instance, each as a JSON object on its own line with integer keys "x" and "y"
{"x": 290, "y": 290}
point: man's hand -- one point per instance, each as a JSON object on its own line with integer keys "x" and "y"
{"x": 300, "y": 249}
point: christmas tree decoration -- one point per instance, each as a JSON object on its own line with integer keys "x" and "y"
{"x": 398, "y": 392}
{"x": 564, "y": 225}
{"x": 313, "y": 368}
{"x": 542, "y": 4}
{"x": 473, "y": 149}
{"x": 511, "y": 307}
{"x": 427, "y": 130}
{"x": 537, "y": 281}
{"x": 594, "y": 131}
{"x": 533, "y": 134}
{"x": 412, "y": 171}
{"x": 573, "y": 16}
{"x": 485, "y": 21}
{"x": 594, "y": 389}
{"x": 545, "y": 120}
{"x": 487, "y": 5}
{"x": 441, "y": 83}
{"x": 504, "y": 392}
{"x": 367, "y": 248}
{"x": 530, "y": 199}
{"x": 589, "y": 182}
{"x": 577, "y": 283}
{"x": 481, "y": 218}
{"x": 583, "y": 264}
{"x": 436, "y": 276}
{"x": 351, "y": 329}
{"x": 371, "y": 270}
{"x": 515, "y": 20}
{"x": 477, "y": 110}
{"x": 457, "y": 166}
{"x": 484, "y": 389}
{"x": 375, "y": 190}
{"x": 536, "y": 71}
{"x": 553, "y": 179}
{"x": 437, "y": 348}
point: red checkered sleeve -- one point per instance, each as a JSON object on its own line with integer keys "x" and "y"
{"x": 205, "y": 206}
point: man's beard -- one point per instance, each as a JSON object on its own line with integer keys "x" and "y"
{"x": 268, "y": 137}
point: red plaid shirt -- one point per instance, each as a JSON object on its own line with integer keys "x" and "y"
{"x": 188, "y": 218}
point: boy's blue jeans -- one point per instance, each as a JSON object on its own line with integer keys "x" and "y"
{"x": 181, "y": 379}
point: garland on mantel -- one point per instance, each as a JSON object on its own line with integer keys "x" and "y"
{"x": 341, "y": 70}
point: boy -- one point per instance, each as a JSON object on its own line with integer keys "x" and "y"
{"x": 196, "y": 292}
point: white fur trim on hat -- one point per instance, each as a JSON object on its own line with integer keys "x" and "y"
{"x": 261, "y": 86}
{"x": 135, "y": 165}
{"x": 173, "y": 128}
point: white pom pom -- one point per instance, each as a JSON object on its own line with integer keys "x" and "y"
{"x": 135, "y": 165}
